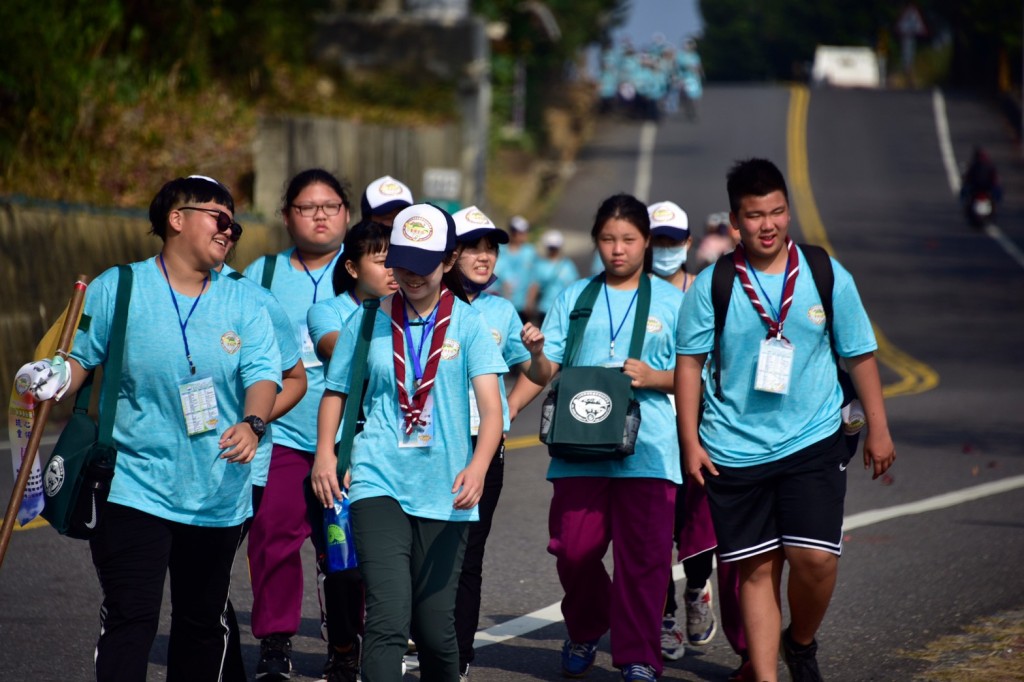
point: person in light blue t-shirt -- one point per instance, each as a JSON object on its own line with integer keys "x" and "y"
{"x": 359, "y": 275}
{"x": 293, "y": 382}
{"x": 182, "y": 483}
{"x": 416, "y": 477}
{"x": 553, "y": 272}
{"x": 515, "y": 266}
{"x": 315, "y": 211}
{"x": 629, "y": 501}
{"x": 769, "y": 450}
{"x": 522, "y": 346}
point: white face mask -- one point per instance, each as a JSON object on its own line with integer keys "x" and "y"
{"x": 667, "y": 260}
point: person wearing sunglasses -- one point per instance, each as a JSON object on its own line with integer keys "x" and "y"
{"x": 315, "y": 209}
{"x": 182, "y": 486}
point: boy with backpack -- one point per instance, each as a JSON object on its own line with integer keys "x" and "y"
{"x": 770, "y": 448}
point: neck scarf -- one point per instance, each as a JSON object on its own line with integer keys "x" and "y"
{"x": 792, "y": 270}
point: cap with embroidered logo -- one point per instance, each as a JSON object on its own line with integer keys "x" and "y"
{"x": 385, "y": 195}
{"x": 669, "y": 220}
{"x": 472, "y": 225}
{"x": 420, "y": 236}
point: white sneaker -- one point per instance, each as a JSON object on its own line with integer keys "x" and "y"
{"x": 673, "y": 641}
{"x": 700, "y": 616}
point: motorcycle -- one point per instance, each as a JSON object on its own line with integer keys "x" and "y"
{"x": 980, "y": 209}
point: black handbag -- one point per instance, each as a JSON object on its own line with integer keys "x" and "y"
{"x": 77, "y": 477}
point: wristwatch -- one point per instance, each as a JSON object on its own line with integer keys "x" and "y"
{"x": 258, "y": 426}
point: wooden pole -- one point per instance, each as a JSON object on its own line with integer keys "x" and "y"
{"x": 67, "y": 335}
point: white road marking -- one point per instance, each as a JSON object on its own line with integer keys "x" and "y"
{"x": 549, "y": 615}
{"x": 953, "y": 175}
{"x": 645, "y": 161}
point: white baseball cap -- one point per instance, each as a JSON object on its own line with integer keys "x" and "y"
{"x": 471, "y": 225}
{"x": 669, "y": 220}
{"x": 385, "y": 195}
{"x": 420, "y": 237}
{"x": 553, "y": 239}
{"x": 519, "y": 223}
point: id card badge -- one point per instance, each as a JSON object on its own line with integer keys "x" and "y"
{"x": 614, "y": 364}
{"x": 474, "y": 414}
{"x": 309, "y": 358}
{"x": 199, "y": 405}
{"x": 774, "y": 366}
{"x": 423, "y": 435}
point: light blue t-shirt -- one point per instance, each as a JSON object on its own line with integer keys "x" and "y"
{"x": 552, "y": 277}
{"x": 296, "y": 291}
{"x": 161, "y": 470}
{"x": 284, "y": 334}
{"x": 505, "y": 327}
{"x": 419, "y": 479}
{"x": 329, "y": 316}
{"x": 657, "y": 448}
{"x": 514, "y": 270}
{"x": 751, "y": 427}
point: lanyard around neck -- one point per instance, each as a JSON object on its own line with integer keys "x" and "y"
{"x": 416, "y": 352}
{"x": 183, "y": 325}
{"x": 613, "y": 331}
{"x": 788, "y": 287}
{"x": 316, "y": 280}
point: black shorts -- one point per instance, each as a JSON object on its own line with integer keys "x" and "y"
{"x": 796, "y": 501}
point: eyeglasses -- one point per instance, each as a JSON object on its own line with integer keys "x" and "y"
{"x": 224, "y": 221}
{"x": 310, "y": 210}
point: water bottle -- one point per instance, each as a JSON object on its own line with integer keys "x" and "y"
{"x": 547, "y": 413}
{"x": 631, "y": 429}
{"x": 341, "y": 550}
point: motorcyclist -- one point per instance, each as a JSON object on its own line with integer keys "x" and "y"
{"x": 980, "y": 178}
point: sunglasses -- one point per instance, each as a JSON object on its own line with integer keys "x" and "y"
{"x": 224, "y": 221}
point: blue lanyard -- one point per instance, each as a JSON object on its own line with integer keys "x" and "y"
{"x": 611, "y": 323}
{"x": 782, "y": 293}
{"x": 183, "y": 325}
{"x": 316, "y": 280}
{"x": 416, "y": 352}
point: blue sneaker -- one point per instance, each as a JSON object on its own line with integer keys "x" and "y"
{"x": 638, "y": 672}
{"x": 578, "y": 657}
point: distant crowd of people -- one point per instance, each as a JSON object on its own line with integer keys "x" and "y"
{"x": 729, "y": 436}
{"x": 651, "y": 80}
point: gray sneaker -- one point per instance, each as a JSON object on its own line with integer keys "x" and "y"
{"x": 700, "y": 616}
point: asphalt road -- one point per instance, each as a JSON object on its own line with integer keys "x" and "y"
{"x": 949, "y": 302}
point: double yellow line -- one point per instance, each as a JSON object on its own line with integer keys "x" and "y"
{"x": 914, "y": 375}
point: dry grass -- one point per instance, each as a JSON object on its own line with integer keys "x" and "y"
{"x": 989, "y": 650}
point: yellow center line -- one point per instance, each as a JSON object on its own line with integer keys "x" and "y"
{"x": 37, "y": 522}
{"x": 521, "y": 442}
{"x": 914, "y": 375}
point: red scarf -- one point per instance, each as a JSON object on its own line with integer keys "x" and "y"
{"x": 739, "y": 258}
{"x": 412, "y": 409}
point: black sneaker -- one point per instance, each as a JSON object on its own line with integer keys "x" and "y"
{"x": 801, "y": 660}
{"x": 342, "y": 664}
{"x": 275, "y": 659}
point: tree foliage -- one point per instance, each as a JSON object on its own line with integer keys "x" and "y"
{"x": 775, "y": 39}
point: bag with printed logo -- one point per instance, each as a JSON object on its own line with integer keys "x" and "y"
{"x": 77, "y": 477}
{"x": 591, "y": 413}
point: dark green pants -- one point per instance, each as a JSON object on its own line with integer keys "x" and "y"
{"x": 410, "y": 569}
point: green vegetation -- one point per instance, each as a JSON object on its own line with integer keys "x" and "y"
{"x": 972, "y": 43}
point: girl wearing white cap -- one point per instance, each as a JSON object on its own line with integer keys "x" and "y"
{"x": 416, "y": 478}
{"x": 693, "y": 533}
{"x": 552, "y": 273}
{"x": 520, "y": 345}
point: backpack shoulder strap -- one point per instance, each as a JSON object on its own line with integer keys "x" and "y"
{"x": 269, "y": 263}
{"x": 115, "y": 356}
{"x": 643, "y": 311}
{"x": 235, "y": 274}
{"x": 357, "y": 387}
{"x": 824, "y": 279}
{"x": 721, "y": 292}
{"x": 578, "y": 319}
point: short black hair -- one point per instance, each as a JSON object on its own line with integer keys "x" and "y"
{"x": 753, "y": 178}
{"x": 624, "y": 207}
{"x": 365, "y": 238}
{"x": 191, "y": 190}
{"x": 312, "y": 176}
